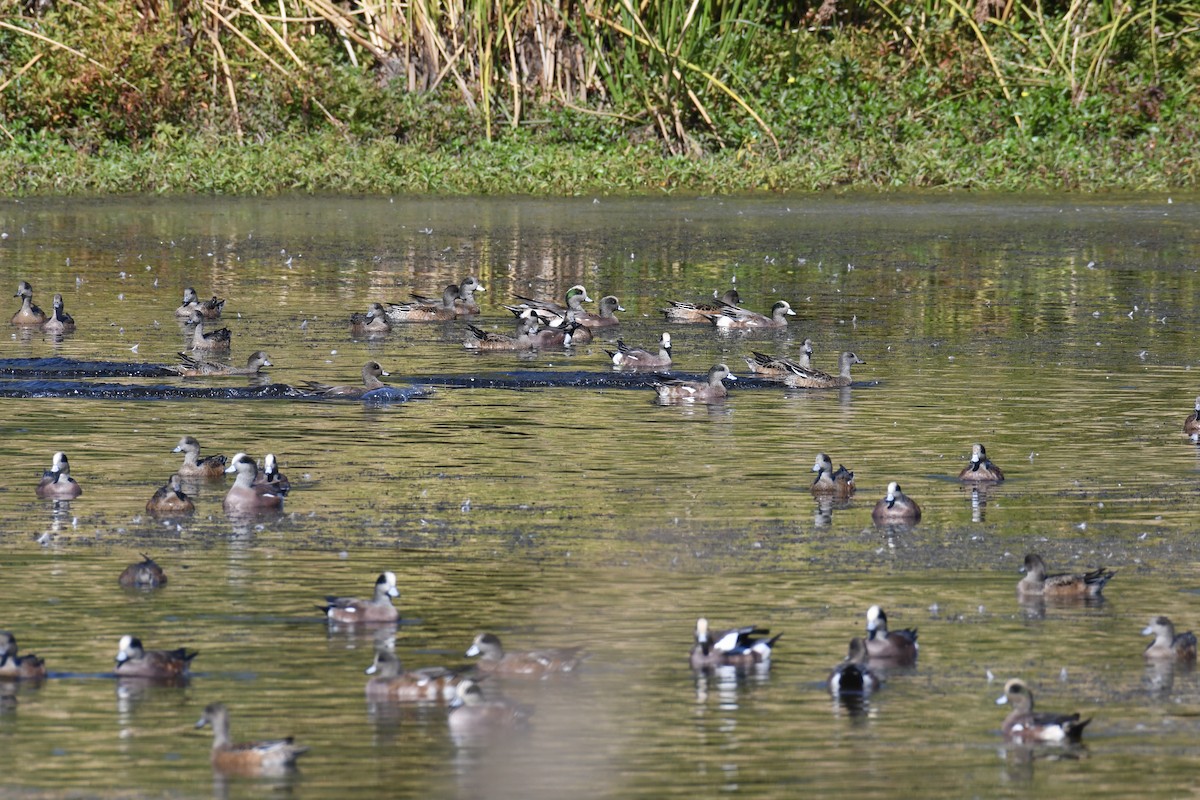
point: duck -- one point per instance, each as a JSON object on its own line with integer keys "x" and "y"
{"x": 465, "y": 303}
{"x": 896, "y": 508}
{"x": 170, "y": 500}
{"x": 191, "y": 367}
{"x": 736, "y": 647}
{"x": 209, "y": 309}
{"x": 1023, "y": 724}
{"x": 389, "y": 682}
{"x": 551, "y": 313}
{"x": 609, "y": 305}
{"x": 565, "y": 336}
{"x": 378, "y": 609}
{"x": 371, "y": 373}
{"x": 272, "y": 477}
{"x": 839, "y": 484}
{"x": 473, "y": 715}
{"x": 245, "y": 495}
{"x": 28, "y": 313}
{"x": 479, "y": 339}
{"x": 144, "y": 574}
{"x": 1037, "y": 583}
{"x": 135, "y": 662}
{"x": 779, "y": 367}
{"x": 193, "y": 465}
{"x": 267, "y": 757}
{"x": 706, "y": 391}
{"x": 418, "y": 311}
{"x": 1191, "y": 425}
{"x": 1167, "y": 645}
{"x": 493, "y": 658}
{"x": 700, "y": 312}
{"x": 215, "y": 342}
{"x": 853, "y": 675}
{"x": 627, "y": 357}
{"x": 375, "y": 321}
{"x": 57, "y": 483}
{"x": 737, "y": 318}
{"x": 896, "y": 647}
{"x": 816, "y": 379}
{"x": 14, "y": 667}
{"x": 60, "y": 321}
{"x": 981, "y": 469}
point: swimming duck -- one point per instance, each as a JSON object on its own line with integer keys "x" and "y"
{"x": 852, "y": 675}
{"x": 378, "y": 609}
{"x": 1024, "y": 725}
{"x": 779, "y": 367}
{"x": 839, "y": 484}
{"x": 57, "y": 483}
{"x": 14, "y": 667}
{"x": 417, "y": 311}
{"x": 567, "y": 335}
{"x": 209, "y": 309}
{"x": 195, "y": 467}
{"x": 135, "y": 662}
{"x": 1191, "y": 425}
{"x": 700, "y": 312}
{"x": 896, "y": 647}
{"x": 816, "y": 379}
{"x": 710, "y": 390}
{"x": 609, "y": 305}
{"x": 375, "y": 321}
{"x": 981, "y": 468}
{"x": 736, "y": 318}
{"x": 896, "y": 508}
{"x": 245, "y": 495}
{"x": 272, "y": 477}
{"x": 191, "y": 367}
{"x": 479, "y": 339}
{"x": 1167, "y": 645}
{"x": 1064, "y": 585}
{"x": 170, "y": 500}
{"x": 628, "y": 357}
{"x": 551, "y": 313}
{"x": 28, "y": 313}
{"x": 473, "y": 715}
{"x": 494, "y": 658}
{"x": 216, "y": 341}
{"x": 465, "y": 303}
{"x": 389, "y": 682}
{"x": 268, "y": 757}
{"x": 736, "y": 647}
{"x": 60, "y": 321}
{"x": 371, "y": 373}
{"x": 144, "y": 574}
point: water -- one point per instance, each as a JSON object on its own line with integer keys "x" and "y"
{"x": 1058, "y": 331}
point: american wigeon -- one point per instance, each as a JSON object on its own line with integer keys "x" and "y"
{"x": 493, "y": 658}
{"x": 838, "y": 484}
{"x": 736, "y": 318}
{"x": 1037, "y": 583}
{"x": 271, "y": 476}
{"x": 896, "y": 508}
{"x": 170, "y": 500}
{"x": 418, "y": 311}
{"x": 14, "y": 667}
{"x": 681, "y": 391}
{"x": 609, "y": 305}
{"x": 245, "y": 495}
{"x": 852, "y": 675}
{"x": 677, "y": 311}
{"x": 371, "y": 373}
{"x": 191, "y": 367}
{"x": 473, "y": 715}
{"x": 59, "y": 321}
{"x": 479, "y": 339}
{"x": 1023, "y": 724}
{"x": 375, "y": 321}
{"x": 389, "y": 682}
{"x": 57, "y": 483}
{"x": 737, "y": 647}
{"x": 552, "y": 313}
{"x": 465, "y": 303}
{"x": 144, "y": 574}
{"x": 133, "y": 661}
{"x": 627, "y": 357}
{"x": 1191, "y": 425}
{"x": 28, "y": 313}
{"x": 816, "y": 379}
{"x": 209, "y": 309}
{"x": 378, "y": 609}
{"x": 779, "y": 367}
{"x": 195, "y": 467}
{"x": 267, "y": 757}
{"x": 571, "y": 333}
{"x": 214, "y": 342}
{"x": 1167, "y": 645}
{"x": 895, "y": 647}
{"x": 981, "y": 468}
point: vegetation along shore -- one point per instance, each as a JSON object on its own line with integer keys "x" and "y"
{"x": 596, "y": 96}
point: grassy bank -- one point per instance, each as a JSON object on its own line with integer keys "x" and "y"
{"x": 115, "y": 96}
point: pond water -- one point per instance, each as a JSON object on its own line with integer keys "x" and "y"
{"x": 1058, "y": 331}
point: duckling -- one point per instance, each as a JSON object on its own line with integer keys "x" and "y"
{"x": 170, "y": 500}
{"x": 700, "y": 312}
{"x": 1167, "y": 645}
{"x": 815, "y": 379}
{"x": 896, "y": 508}
{"x": 60, "y": 321}
{"x": 1024, "y": 725}
{"x": 1063, "y": 585}
{"x": 707, "y": 391}
{"x": 838, "y": 484}
{"x": 268, "y": 757}
{"x": 981, "y": 468}
{"x": 57, "y": 483}
{"x": 628, "y": 357}
{"x": 28, "y": 313}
